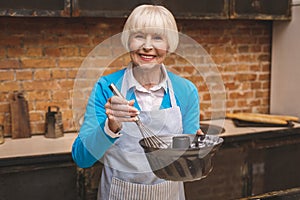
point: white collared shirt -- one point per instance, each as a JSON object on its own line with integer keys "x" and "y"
{"x": 148, "y": 99}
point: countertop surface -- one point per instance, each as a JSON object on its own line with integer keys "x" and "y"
{"x": 38, "y": 145}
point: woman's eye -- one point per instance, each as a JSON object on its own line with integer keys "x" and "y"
{"x": 157, "y": 37}
{"x": 139, "y": 36}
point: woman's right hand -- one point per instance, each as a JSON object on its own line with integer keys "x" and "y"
{"x": 120, "y": 110}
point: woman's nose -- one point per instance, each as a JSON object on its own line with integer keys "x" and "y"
{"x": 148, "y": 44}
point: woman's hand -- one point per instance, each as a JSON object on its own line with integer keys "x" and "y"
{"x": 200, "y": 132}
{"x": 120, "y": 110}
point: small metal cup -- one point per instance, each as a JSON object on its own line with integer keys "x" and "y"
{"x": 180, "y": 142}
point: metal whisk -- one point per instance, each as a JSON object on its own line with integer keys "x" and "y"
{"x": 151, "y": 140}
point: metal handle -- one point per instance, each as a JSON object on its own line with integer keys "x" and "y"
{"x": 115, "y": 90}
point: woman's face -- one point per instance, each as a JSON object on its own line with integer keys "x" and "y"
{"x": 147, "y": 49}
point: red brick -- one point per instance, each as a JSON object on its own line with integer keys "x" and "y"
{"x": 71, "y": 73}
{"x": 11, "y": 41}
{"x": 7, "y": 75}
{"x": 231, "y": 86}
{"x": 37, "y": 128}
{"x": 43, "y": 105}
{"x": 78, "y": 40}
{"x": 34, "y": 40}
{"x": 240, "y": 95}
{"x": 66, "y": 84}
{"x": 24, "y": 75}
{"x": 4, "y": 96}
{"x": 8, "y": 86}
{"x": 266, "y": 85}
{"x": 70, "y": 62}
{"x": 4, "y": 107}
{"x": 256, "y": 85}
{"x": 34, "y": 52}
{"x": 264, "y": 57}
{"x": 38, "y": 63}
{"x": 264, "y": 77}
{"x": 242, "y": 67}
{"x": 9, "y": 64}
{"x": 69, "y": 51}
{"x": 84, "y": 51}
{"x": 3, "y": 53}
{"x": 42, "y": 75}
{"x": 52, "y": 51}
{"x": 261, "y": 94}
{"x": 230, "y": 104}
{"x": 36, "y": 116}
{"x": 255, "y": 67}
{"x": 15, "y": 52}
{"x": 59, "y": 74}
{"x": 245, "y": 77}
{"x": 40, "y": 85}
{"x": 39, "y": 95}
{"x": 67, "y": 114}
{"x": 256, "y": 48}
{"x": 61, "y": 94}
{"x": 206, "y": 97}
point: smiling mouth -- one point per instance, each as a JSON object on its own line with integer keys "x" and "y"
{"x": 147, "y": 57}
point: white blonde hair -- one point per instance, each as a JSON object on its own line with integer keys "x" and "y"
{"x": 151, "y": 18}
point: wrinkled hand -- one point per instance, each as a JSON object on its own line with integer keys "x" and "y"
{"x": 200, "y": 132}
{"x": 120, "y": 110}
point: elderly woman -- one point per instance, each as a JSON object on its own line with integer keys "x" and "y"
{"x": 165, "y": 102}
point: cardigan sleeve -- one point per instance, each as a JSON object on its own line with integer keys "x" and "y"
{"x": 92, "y": 141}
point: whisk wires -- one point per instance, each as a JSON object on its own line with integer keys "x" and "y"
{"x": 150, "y": 139}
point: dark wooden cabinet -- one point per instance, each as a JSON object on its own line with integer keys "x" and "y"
{"x": 192, "y": 9}
{"x": 45, "y": 177}
{"x": 36, "y": 8}
{"x": 260, "y": 9}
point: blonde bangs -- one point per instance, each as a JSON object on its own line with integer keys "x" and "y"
{"x": 151, "y": 19}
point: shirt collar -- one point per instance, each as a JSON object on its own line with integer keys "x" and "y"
{"x": 133, "y": 83}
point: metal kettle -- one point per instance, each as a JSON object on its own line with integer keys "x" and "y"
{"x": 54, "y": 125}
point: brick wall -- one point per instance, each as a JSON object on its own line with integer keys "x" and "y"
{"x": 41, "y": 57}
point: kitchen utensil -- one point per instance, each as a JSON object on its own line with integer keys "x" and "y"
{"x": 182, "y": 164}
{"x": 198, "y": 140}
{"x": 181, "y": 142}
{"x": 150, "y": 139}
{"x": 20, "y": 123}
{"x": 54, "y": 125}
{"x": 211, "y": 129}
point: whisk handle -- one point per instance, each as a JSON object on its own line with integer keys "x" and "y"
{"x": 115, "y": 90}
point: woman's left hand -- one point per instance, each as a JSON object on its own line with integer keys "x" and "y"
{"x": 200, "y": 132}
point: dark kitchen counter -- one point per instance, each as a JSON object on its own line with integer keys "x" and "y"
{"x": 251, "y": 161}
{"x": 38, "y": 168}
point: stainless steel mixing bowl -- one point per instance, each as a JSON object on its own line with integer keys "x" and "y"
{"x": 185, "y": 164}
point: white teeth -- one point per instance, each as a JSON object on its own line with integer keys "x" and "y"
{"x": 148, "y": 57}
